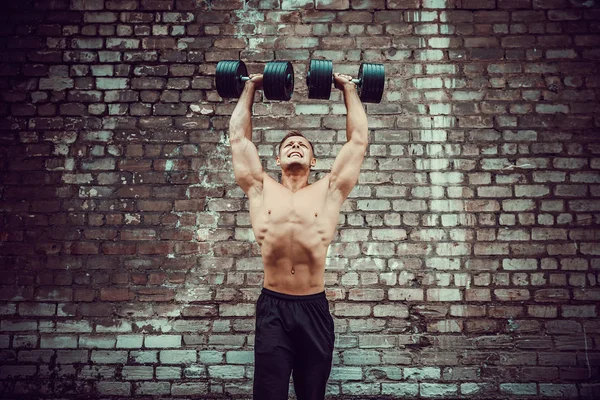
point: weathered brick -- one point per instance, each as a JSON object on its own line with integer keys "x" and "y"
{"x": 87, "y": 4}
{"x": 153, "y": 388}
{"x": 406, "y": 294}
{"x": 443, "y": 295}
{"x": 114, "y": 388}
{"x": 162, "y": 341}
{"x": 111, "y": 83}
{"x": 100, "y": 17}
{"x": 400, "y": 389}
{"x": 438, "y": 389}
{"x": 57, "y": 341}
{"x": 56, "y": 83}
{"x": 121, "y": 4}
{"x": 522, "y": 389}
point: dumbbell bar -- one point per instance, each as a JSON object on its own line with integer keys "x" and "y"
{"x": 370, "y": 82}
{"x": 278, "y": 79}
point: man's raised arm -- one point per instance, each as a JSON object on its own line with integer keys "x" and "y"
{"x": 247, "y": 168}
{"x": 346, "y": 167}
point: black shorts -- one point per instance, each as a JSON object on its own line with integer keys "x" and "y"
{"x": 293, "y": 333}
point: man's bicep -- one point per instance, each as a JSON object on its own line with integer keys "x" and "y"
{"x": 346, "y": 167}
{"x": 247, "y": 168}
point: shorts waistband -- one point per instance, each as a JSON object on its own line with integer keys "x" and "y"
{"x": 292, "y": 297}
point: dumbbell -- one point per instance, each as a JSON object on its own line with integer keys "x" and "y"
{"x": 278, "y": 79}
{"x": 370, "y": 82}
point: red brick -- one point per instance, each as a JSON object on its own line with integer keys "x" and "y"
{"x": 228, "y": 5}
{"x": 157, "y": 278}
{"x": 479, "y": 295}
{"x": 482, "y": 326}
{"x": 512, "y": 294}
{"x": 83, "y": 295}
{"x": 554, "y": 41}
{"x": 95, "y": 309}
{"x": 564, "y": 15}
{"x": 230, "y": 43}
{"x": 201, "y": 311}
{"x": 578, "y": 374}
{"x": 155, "y": 248}
{"x": 135, "y": 165}
{"x": 518, "y": 41}
{"x": 587, "y": 40}
{"x": 484, "y": 19}
{"x": 565, "y": 327}
{"x": 128, "y": 5}
{"x": 189, "y": 205}
{"x": 486, "y": 54}
{"x": 157, "y": 5}
{"x": 115, "y": 294}
{"x": 476, "y": 4}
{"x": 551, "y": 295}
{"x": 514, "y": 4}
{"x": 138, "y": 234}
{"x": 159, "y": 43}
{"x": 51, "y": 293}
{"x": 192, "y": 248}
{"x": 557, "y": 358}
{"x": 118, "y": 248}
{"x": 403, "y": 4}
{"x": 551, "y": 4}
{"x": 155, "y": 205}
{"x": 81, "y": 248}
{"x": 528, "y": 16}
{"x": 505, "y": 311}
{"x": 521, "y": 358}
{"x": 156, "y": 294}
{"x": 133, "y": 192}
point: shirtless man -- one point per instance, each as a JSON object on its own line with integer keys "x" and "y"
{"x": 294, "y": 223}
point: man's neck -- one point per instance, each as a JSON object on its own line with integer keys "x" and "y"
{"x": 295, "y": 180}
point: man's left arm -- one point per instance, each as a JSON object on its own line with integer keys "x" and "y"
{"x": 346, "y": 167}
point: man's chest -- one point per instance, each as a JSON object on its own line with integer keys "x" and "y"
{"x": 296, "y": 208}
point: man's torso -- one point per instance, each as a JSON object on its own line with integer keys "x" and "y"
{"x": 294, "y": 231}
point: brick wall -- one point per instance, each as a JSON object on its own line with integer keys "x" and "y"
{"x": 466, "y": 263}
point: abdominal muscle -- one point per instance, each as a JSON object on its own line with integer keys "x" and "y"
{"x": 293, "y": 263}
{"x": 294, "y": 231}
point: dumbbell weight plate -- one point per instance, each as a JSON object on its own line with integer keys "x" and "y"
{"x": 278, "y": 80}
{"x": 371, "y": 82}
{"x": 319, "y": 79}
{"x": 229, "y": 78}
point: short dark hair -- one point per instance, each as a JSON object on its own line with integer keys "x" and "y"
{"x": 295, "y": 133}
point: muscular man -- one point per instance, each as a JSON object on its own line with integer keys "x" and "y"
{"x": 294, "y": 223}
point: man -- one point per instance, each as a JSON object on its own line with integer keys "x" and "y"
{"x": 294, "y": 223}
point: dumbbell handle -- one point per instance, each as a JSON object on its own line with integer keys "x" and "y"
{"x": 356, "y": 81}
{"x": 247, "y": 78}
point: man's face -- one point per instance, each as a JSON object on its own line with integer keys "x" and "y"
{"x": 296, "y": 150}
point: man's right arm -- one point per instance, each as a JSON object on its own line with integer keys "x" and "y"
{"x": 247, "y": 168}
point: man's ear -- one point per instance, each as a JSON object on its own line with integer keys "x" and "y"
{"x": 313, "y": 162}
{"x": 277, "y": 160}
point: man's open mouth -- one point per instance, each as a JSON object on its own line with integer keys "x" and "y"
{"x": 295, "y": 154}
